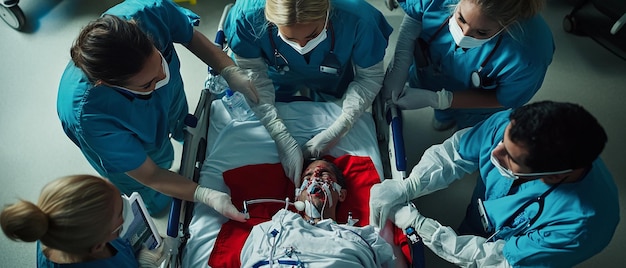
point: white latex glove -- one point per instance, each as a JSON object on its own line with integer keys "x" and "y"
{"x": 383, "y": 198}
{"x": 416, "y": 98}
{"x": 358, "y": 97}
{"x": 289, "y": 151}
{"x": 398, "y": 70}
{"x": 262, "y": 82}
{"x": 406, "y": 215}
{"x": 241, "y": 80}
{"x": 219, "y": 201}
{"x": 150, "y": 258}
{"x": 463, "y": 251}
{"x": 323, "y": 141}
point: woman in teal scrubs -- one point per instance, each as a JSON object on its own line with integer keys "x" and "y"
{"x": 121, "y": 99}
{"x": 327, "y": 49}
{"x": 468, "y": 59}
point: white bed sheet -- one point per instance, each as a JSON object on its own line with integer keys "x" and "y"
{"x": 234, "y": 144}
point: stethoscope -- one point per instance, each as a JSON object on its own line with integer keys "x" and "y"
{"x": 330, "y": 63}
{"x": 422, "y": 49}
{"x": 540, "y": 200}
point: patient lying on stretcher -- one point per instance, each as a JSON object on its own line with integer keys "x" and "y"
{"x": 315, "y": 239}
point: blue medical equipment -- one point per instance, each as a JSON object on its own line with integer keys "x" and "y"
{"x": 540, "y": 200}
{"x": 330, "y": 64}
{"x": 423, "y": 59}
{"x": 12, "y": 14}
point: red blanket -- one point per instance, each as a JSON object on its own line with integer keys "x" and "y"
{"x": 269, "y": 181}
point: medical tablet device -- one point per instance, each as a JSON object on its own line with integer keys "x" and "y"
{"x": 138, "y": 227}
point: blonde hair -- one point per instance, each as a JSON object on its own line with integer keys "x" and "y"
{"x": 72, "y": 215}
{"x": 507, "y": 12}
{"x": 290, "y": 12}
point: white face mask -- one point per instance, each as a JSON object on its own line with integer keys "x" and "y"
{"x": 503, "y": 171}
{"x": 158, "y": 84}
{"x": 309, "y": 46}
{"x": 509, "y": 174}
{"x": 166, "y": 70}
{"x": 463, "y": 40}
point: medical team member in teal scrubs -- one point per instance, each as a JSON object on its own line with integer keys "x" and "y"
{"x": 543, "y": 198}
{"x": 311, "y": 46}
{"x": 467, "y": 58}
{"x": 121, "y": 99}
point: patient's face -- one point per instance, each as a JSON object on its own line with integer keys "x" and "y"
{"x": 319, "y": 180}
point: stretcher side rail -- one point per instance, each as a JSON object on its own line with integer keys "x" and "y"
{"x": 194, "y": 153}
{"x": 388, "y": 120}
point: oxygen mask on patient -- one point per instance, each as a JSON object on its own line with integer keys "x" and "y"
{"x": 318, "y": 187}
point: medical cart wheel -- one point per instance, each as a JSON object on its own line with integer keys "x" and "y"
{"x": 13, "y": 16}
{"x": 569, "y": 25}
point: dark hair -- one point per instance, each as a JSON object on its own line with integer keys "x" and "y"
{"x": 341, "y": 180}
{"x": 557, "y": 135}
{"x": 111, "y": 49}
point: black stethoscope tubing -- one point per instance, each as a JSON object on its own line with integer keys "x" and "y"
{"x": 540, "y": 200}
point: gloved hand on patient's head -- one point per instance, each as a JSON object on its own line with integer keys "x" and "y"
{"x": 241, "y": 80}
{"x": 220, "y": 202}
{"x": 415, "y": 98}
{"x": 383, "y": 198}
{"x": 321, "y": 143}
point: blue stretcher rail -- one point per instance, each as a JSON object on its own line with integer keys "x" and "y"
{"x": 220, "y": 37}
{"x": 395, "y": 122}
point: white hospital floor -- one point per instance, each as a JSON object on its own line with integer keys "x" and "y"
{"x": 34, "y": 150}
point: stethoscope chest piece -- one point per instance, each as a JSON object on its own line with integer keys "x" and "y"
{"x": 476, "y": 83}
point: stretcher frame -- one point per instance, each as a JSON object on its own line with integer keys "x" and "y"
{"x": 388, "y": 127}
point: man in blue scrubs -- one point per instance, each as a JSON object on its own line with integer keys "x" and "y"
{"x": 544, "y": 198}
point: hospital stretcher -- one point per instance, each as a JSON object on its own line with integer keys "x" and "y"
{"x": 216, "y": 147}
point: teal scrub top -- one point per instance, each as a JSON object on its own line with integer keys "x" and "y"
{"x": 517, "y": 68}
{"x": 124, "y": 258}
{"x": 360, "y": 33}
{"x": 578, "y": 219}
{"x": 116, "y": 130}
